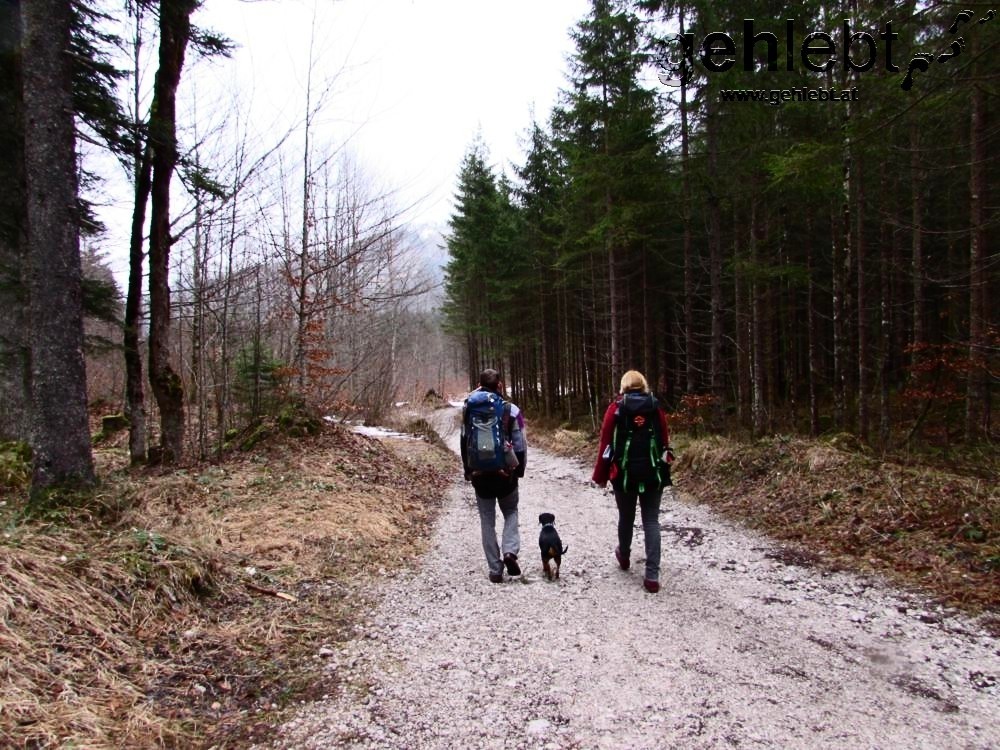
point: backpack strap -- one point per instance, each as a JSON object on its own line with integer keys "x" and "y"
{"x": 505, "y": 421}
{"x": 615, "y": 453}
{"x": 655, "y": 447}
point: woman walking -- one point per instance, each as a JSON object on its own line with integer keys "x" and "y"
{"x": 634, "y": 457}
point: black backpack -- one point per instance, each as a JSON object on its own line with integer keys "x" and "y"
{"x": 637, "y": 445}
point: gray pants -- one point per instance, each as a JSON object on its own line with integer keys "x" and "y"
{"x": 649, "y": 505}
{"x": 511, "y": 540}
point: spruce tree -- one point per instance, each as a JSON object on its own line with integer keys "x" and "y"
{"x": 15, "y": 380}
{"x": 60, "y": 431}
{"x": 607, "y": 130}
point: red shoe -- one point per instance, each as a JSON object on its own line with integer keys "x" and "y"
{"x": 496, "y": 577}
{"x": 623, "y": 562}
{"x": 651, "y": 586}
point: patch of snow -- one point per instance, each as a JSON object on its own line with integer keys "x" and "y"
{"x": 381, "y": 432}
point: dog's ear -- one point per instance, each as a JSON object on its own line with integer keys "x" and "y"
{"x": 541, "y": 518}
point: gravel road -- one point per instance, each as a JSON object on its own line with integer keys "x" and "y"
{"x": 743, "y": 646}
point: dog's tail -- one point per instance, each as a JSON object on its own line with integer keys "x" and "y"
{"x": 565, "y": 548}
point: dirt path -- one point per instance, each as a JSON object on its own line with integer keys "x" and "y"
{"x": 741, "y": 647}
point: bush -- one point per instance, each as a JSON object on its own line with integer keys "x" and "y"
{"x": 15, "y": 465}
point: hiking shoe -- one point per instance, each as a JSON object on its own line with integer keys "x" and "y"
{"x": 623, "y": 562}
{"x": 496, "y": 577}
{"x": 510, "y": 560}
{"x": 651, "y": 586}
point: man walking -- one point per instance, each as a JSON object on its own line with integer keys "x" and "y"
{"x": 494, "y": 453}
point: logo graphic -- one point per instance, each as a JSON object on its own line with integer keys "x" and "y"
{"x": 818, "y": 51}
{"x": 639, "y": 420}
{"x": 672, "y": 73}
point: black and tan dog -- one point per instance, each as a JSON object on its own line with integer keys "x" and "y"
{"x": 550, "y": 544}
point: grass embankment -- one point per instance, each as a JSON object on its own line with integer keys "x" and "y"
{"x": 189, "y": 608}
{"x": 926, "y": 527}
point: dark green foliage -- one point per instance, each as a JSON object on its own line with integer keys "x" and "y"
{"x": 101, "y": 300}
{"x": 482, "y": 272}
{"x": 261, "y": 381}
{"x": 15, "y": 465}
{"x": 292, "y": 418}
{"x": 95, "y": 78}
{"x": 770, "y": 260}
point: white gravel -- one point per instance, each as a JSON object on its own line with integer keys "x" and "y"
{"x": 739, "y": 649}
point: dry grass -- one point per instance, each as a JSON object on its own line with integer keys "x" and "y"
{"x": 923, "y": 526}
{"x": 150, "y": 617}
{"x": 937, "y": 529}
{"x": 563, "y": 442}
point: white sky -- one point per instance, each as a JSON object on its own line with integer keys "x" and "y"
{"x": 415, "y": 79}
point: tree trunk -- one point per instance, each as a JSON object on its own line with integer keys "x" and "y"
{"x": 611, "y": 240}
{"x": 175, "y": 29}
{"x": 975, "y": 395}
{"x": 917, "y": 176}
{"x": 302, "y": 285}
{"x": 864, "y": 353}
{"x": 135, "y": 400}
{"x": 889, "y": 245}
{"x": 615, "y": 338}
{"x": 715, "y": 275}
{"x": 543, "y": 320}
{"x": 813, "y": 334}
{"x": 198, "y": 395}
{"x": 757, "y": 328}
{"x": 743, "y": 366}
{"x": 839, "y": 325}
{"x": 15, "y": 362}
{"x": 60, "y": 429}
{"x": 690, "y": 374}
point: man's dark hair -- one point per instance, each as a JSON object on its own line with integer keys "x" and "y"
{"x": 489, "y": 380}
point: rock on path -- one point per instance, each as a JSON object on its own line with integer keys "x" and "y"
{"x": 739, "y": 648}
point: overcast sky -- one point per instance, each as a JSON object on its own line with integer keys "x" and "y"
{"x": 414, "y": 82}
{"x": 415, "y": 79}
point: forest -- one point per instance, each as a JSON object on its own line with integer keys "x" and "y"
{"x": 784, "y": 214}
{"x": 265, "y": 274}
{"x": 786, "y": 220}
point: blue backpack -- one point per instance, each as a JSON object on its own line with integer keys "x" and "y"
{"x": 487, "y": 428}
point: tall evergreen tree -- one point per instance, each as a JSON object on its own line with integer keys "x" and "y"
{"x": 96, "y": 110}
{"x": 15, "y": 379}
{"x": 800, "y": 235}
{"x": 541, "y": 229}
{"x": 607, "y": 131}
{"x": 60, "y": 431}
{"x": 475, "y": 276}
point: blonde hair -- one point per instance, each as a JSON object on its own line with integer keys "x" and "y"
{"x": 633, "y": 380}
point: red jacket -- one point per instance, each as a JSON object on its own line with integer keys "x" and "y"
{"x": 604, "y": 471}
